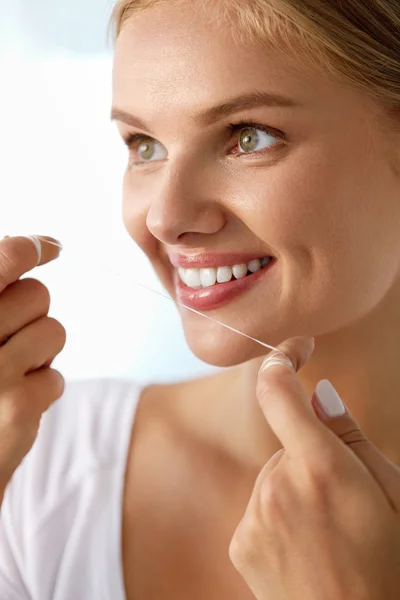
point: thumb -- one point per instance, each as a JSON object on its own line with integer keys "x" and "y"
{"x": 331, "y": 410}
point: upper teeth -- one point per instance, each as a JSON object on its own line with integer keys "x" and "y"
{"x": 201, "y": 278}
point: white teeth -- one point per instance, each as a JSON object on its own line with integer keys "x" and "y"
{"x": 239, "y": 271}
{"x": 192, "y": 278}
{"x": 208, "y": 277}
{"x": 254, "y": 265}
{"x": 224, "y": 274}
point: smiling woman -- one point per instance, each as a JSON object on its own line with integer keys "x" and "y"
{"x": 263, "y": 184}
{"x": 266, "y": 130}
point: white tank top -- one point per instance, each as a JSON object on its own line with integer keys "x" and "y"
{"x": 60, "y": 523}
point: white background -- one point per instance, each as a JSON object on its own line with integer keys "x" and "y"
{"x": 60, "y": 175}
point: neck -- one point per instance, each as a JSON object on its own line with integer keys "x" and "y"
{"x": 362, "y": 363}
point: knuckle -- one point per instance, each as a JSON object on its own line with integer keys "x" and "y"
{"x": 39, "y": 292}
{"x": 237, "y": 552}
{"x": 53, "y": 330}
{"x": 242, "y": 548}
{"x": 56, "y": 383}
{"x": 58, "y": 332}
{"x": 353, "y": 437}
{"x": 234, "y": 549}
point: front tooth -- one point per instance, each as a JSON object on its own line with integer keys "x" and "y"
{"x": 192, "y": 278}
{"x": 239, "y": 271}
{"x": 224, "y": 274}
{"x": 254, "y": 265}
{"x": 208, "y": 277}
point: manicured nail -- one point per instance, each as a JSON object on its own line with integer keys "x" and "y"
{"x": 54, "y": 242}
{"x": 60, "y": 246}
{"x": 329, "y": 399}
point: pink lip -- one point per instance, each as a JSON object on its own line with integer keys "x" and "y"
{"x": 205, "y": 260}
{"x": 219, "y": 294}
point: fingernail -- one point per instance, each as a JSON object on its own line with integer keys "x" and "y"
{"x": 59, "y": 243}
{"x": 329, "y": 399}
{"x": 276, "y": 358}
{"x": 60, "y": 246}
{"x": 54, "y": 242}
{"x": 6, "y": 237}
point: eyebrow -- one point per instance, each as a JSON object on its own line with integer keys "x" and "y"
{"x": 212, "y": 115}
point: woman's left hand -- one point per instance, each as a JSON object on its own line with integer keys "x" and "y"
{"x": 323, "y": 520}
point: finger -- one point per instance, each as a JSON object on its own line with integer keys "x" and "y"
{"x": 43, "y": 387}
{"x": 32, "y": 347}
{"x": 22, "y": 302}
{"x": 18, "y": 255}
{"x": 346, "y": 428}
{"x": 283, "y": 400}
{"x": 35, "y": 394}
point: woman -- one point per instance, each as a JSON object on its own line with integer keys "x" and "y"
{"x": 264, "y": 185}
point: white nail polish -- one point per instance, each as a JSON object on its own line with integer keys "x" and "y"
{"x": 329, "y": 399}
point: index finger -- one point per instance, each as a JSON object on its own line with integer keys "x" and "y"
{"x": 285, "y": 403}
{"x": 18, "y": 255}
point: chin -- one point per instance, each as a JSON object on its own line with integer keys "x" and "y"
{"x": 224, "y": 356}
{"x": 217, "y": 346}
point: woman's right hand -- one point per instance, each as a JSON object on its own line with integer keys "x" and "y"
{"x": 29, "y": 342}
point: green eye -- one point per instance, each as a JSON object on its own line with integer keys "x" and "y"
{"x": 146, "y": 150}
{"x": 252, "y": 139}
{"x": 248, "y": 140}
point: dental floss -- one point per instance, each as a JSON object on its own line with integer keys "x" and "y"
{"x": 38, "y": 246}
{"x": 149, "y": 289}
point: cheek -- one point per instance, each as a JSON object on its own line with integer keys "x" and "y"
{"x": 318, "y": 211}
{"x": 318, "y": 198}
{"x": 288, "y": 206}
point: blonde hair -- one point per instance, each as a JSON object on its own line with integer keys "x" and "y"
{"x": 355, "y": 40}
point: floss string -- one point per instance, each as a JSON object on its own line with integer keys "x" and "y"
{"x": 150, "y": 289}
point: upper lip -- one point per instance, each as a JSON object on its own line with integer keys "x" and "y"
{"x": 207, "y": 260}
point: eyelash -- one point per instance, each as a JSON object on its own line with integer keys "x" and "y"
{"x": 133, "y": 139}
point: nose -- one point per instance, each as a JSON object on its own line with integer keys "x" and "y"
{"x": 184, "y": 205}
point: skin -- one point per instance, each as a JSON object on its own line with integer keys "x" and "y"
{"x": 325, "y": 203}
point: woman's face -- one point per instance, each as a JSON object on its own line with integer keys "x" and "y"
{"x": 293, "y": 168}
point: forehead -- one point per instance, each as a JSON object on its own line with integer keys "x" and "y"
{"x": 165, "y": 49}
{"x": 177, "y": 60}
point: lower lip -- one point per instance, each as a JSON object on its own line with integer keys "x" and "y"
{"x": 219, "y": 294}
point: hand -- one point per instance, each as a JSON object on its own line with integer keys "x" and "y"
{"x": 29, "y": 342}
{"x": 323, "y": 519}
